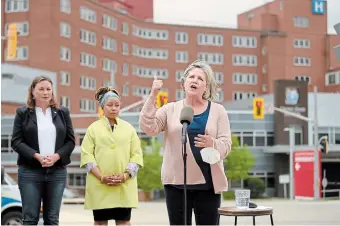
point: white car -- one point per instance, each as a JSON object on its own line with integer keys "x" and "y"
{"x": 11, "y": 206}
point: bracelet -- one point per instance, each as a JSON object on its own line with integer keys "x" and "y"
{"x": 101, "y": 179}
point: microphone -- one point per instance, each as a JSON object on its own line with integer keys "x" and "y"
{"x": 186, "y": 117}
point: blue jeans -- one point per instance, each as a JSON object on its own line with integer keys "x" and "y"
{"x": 41, "y": 184}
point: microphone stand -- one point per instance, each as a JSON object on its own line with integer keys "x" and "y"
{"x": 184, "y": 152}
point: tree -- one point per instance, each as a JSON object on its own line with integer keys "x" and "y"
{"x": 149, "y": 176}
{"x": 239, "y": 161}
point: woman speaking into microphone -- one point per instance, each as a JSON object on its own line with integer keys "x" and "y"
{"x": 208, "y": 134}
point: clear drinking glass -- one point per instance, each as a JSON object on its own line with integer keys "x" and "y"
{"x": 242, "y": 198}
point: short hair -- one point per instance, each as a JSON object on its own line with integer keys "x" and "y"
{"x": 31, "y": 101}
{"x": 211, "y": 93}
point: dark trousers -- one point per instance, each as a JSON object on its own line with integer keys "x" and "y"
{"x": 41, "y": 184}
{"x": 205, "y": 204}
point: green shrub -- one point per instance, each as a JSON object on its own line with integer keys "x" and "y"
{"x": 228, "y": 195}
{"x": 256, "y": 186}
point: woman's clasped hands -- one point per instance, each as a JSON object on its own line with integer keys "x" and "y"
{"x": 114, "y": 180}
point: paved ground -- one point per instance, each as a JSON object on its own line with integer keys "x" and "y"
{"x": 285, "y": 213}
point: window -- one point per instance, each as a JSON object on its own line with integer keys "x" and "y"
{"x": 220, "y": 95}
{"x": 211, "y": 58}
{"x": 125, "y": 90}
{"x": 337, "y": 138}
{"x": 244, "y": 60}
{"x": 125, "y": 28}
{"x": 270, "y": 138}
{"x": 65, "y": 54}
{"x": 182, "y": 57}
{"x": 304, "y": 78}
{"x": 150, "y": 72}
{"x": 209, "y": 39}
{"x": 333, "y": 78}
{"x": 301, "y": 43}
{"x": 65, "y": 101}
{"x": 22, "y": 28}
{"x": 125, "y": 69}
{"x": 146, "y": 33}
{"x": 15, "y": 6}
{"x": 109, "y": 44}
{"x": 125, "y": 49}
{"x": 88, "y": 60}
{"x": 65, "y": 30}
{"x": 22, "y": 54}
{"x": 87, "y": 83}
{"x": 88, "y": 37}
{"x": 65, "y": 78}
{"x": 244, "y": 41}
{"x": 243, "y": 95}
{"x": 6, "y": 143}
{"x": 301, "y": 22}
{"x": 141, "y": 91}
{"x": 88, "y": 106}
{"x": 219, "y": 77}
{"x": 245, "y": 78}
{"x": 88, "y": 14}
{"x": 109, "y": 65}
{"x": 248, "y": 139}
{"x": 182, "y": 38}
{"x": 260, "y": 139}
{"x": 302, "y": 61}
{"x": 179, "y": 75}
{"x": 77, "y": 180}
{"x": 65, "y": 6}
{"x": 149, "y": 53}
{"x": 109, "y": 22}
{"x": 180, "y": 94}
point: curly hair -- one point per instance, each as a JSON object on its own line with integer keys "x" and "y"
{"x": 30, "y": 98}
{"x": 102, "y": 90}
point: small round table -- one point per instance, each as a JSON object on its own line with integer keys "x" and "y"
{"x": 250, "y": 212}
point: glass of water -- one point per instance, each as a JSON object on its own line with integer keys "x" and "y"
{"x": 242, "y": 198}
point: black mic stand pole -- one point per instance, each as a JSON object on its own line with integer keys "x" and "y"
{"x": 184, "y": 152}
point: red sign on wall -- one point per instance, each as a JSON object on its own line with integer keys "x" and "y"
{"x": 304, "y": 173}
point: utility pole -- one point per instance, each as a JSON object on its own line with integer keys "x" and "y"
{"x": 112, "y": 79}
{"x": 316, "y": 147}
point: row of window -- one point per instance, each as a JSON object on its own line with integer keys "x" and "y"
{"x": 110, "y": 22}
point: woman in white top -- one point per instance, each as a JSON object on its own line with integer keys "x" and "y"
{"x": 43, "y": 137}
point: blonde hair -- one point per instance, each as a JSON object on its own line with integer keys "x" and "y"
{"x": 211, "y": 92}
{"x": 30, "y": 99}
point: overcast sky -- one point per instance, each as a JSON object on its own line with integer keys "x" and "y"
{"x": 219, "y": 13}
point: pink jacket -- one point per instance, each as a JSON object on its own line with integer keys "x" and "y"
{"x": 153, "y": 121}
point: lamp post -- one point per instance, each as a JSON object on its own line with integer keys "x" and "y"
{"x": 337, "y": 48}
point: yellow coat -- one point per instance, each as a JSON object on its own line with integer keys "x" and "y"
{"x": 111, "y": 151}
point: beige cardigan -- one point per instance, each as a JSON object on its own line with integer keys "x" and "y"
{"x": 153, "y": 121}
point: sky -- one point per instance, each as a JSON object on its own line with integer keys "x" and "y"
{"x": 219, "y": 13}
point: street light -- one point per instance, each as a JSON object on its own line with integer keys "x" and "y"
{"x": 291, "y": 153}
{"x": 337, "y": 48}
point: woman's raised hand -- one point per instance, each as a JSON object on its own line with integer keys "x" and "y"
{"x": 156, "y": 86}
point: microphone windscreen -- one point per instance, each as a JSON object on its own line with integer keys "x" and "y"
{"x": 187, "y": 115}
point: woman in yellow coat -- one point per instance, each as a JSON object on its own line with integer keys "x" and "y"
{"x": 112, "y": 154}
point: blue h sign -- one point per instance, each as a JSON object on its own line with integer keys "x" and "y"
{"x": 318, "y": 7}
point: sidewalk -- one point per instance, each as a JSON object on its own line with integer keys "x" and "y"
{"x": 285, "y": 213}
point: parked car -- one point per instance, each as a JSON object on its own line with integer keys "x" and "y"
{"x": 11, "y": 206}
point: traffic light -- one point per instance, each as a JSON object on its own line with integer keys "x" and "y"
{"x": 258, "y": 108}
{"x": 100, "y": 113}
{"x": 324, "y": 146}
{"x": 12, "y": 41}
{"x": 162, "y": 99}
